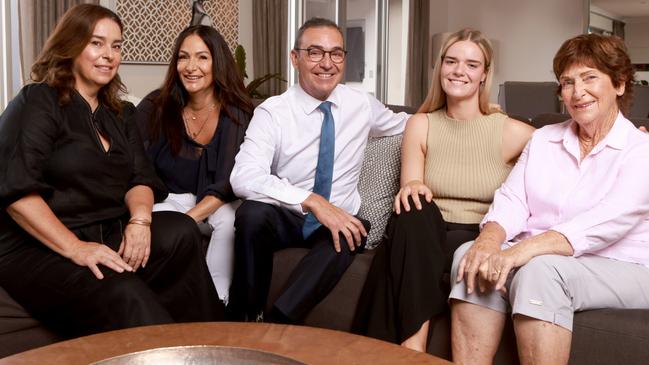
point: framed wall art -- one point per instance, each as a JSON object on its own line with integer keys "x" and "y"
{"x": 151, "y": 26}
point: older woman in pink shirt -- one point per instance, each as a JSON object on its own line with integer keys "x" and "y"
{"x": 569, "y": 228}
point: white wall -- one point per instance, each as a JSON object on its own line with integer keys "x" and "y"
{"x": 245, "y": 34}
{"x": 320, "y": 9}
{"x": 601, "y": 22}
{"x": 4, "y": 46}
{"x": 366, "y": 10}
{"x": 397, "y": 44}
{"x": 526, "y": 33}
{"x": 637, "y": 39}
{"x": 10, "y": 71}
{"x": 606, "y": 13}
{"x": 642, "y": 76}
{"x": 142, "y": 79}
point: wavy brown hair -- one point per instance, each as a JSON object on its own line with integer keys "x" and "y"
{"x": 69, "y": 38}
{"x": 436, "y": 98}
{"x": 608, "y": 54}
{"x": 229, "y": 90}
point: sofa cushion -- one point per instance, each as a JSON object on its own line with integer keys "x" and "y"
{"x": 379, "y": 183}
{"x": 528, "y": 99}
{"x": 26, "y": 339}
{"x": 610, "y": 336}
{"x": 336, "y": 311}
{"x": 13, "y": 317}
{"x": 18, "y": 330}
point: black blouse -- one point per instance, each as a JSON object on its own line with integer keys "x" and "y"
{"x": 206, "y": 172}
{"x": 55, "y": 150}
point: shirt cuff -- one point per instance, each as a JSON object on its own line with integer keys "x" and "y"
{"x": 297, "y": 208}
{"x": 493, "y": 218}
{"x": 574, "y": 238}
{"x": 288, "y": 195}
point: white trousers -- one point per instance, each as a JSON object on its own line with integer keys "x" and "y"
{"x": 220, "y": 252}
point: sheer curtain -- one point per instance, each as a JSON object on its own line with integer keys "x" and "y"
{"x": 270, "y": 22}
{"x": 37, "y": 20}
{"x": 418, "y": 60}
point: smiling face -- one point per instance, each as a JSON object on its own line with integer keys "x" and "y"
{"x": 319, "y": 79}
{"x": 589, "y": 95}
{"x": 195, "y": 65}
{"x": 462, "y": 70}
{"x": 98, "y": 62}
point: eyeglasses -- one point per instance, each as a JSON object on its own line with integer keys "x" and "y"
{"x": 316, "y": 54}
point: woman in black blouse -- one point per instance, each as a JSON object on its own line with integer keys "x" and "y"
{"x": 192, "y": 128}
{"x": 79, "y": 247}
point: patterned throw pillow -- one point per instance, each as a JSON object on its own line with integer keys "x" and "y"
{"x": 379, "y": 183}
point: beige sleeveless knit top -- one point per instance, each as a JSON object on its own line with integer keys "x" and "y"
{"x": 464, "y": 164}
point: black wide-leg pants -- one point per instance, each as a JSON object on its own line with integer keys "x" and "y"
{"x": 175, "y": 286}
{"x": 408, "y": 281}
{"x": 262, "y": 229}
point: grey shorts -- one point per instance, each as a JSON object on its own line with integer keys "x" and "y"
{"x": 552, "y": 287}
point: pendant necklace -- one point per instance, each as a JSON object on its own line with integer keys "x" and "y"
{"x": 193, "y": 118}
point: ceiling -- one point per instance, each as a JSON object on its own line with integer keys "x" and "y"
{"x": 624, "y": 8}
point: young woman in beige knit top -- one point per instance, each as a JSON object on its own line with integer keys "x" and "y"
{"x": 456, "y": 151}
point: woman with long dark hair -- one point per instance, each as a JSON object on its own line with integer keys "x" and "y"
{"x": 79, "y": 246}
{"x": 192, "y": 128}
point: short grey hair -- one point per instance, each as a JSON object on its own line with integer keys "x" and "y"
{"x": 315, "y": 23}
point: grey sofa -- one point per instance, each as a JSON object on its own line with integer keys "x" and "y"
{"x": 600, "y": 336}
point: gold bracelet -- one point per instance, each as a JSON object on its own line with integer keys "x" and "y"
{"x": 140, "y": 221}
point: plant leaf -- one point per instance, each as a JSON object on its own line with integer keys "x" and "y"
{"x": 240, "y": 60}
{"x": 254, "y": 84}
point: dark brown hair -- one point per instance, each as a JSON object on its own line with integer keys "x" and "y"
{"x": 228, "y": 88}
{"x": 70, "y": 37}
{"x": 607, "y": 54}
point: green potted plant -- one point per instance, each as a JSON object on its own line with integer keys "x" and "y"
{"x": 240, "y": 59}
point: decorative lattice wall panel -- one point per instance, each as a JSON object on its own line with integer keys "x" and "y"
{"x": 151, "y": 26}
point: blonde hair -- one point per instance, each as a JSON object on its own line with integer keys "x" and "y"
{"x": 436, "y": 98}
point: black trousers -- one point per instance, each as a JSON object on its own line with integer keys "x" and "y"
{"x": 262, "y": 229}
{"x": 408, "y": 282}
{"x": 175, "y": 286}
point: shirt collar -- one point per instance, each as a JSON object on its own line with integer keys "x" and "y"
{"x": 80, "y": 100}
{"x": 616, "y": 137}
{"x": 309, "y": 104}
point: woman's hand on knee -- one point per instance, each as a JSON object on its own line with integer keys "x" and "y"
{"x": 500, "y": 265}
{"x": 413, "y": 189}
{"x": 471, "y": 265}
{"x": 91, "y": 254}
{"x": 135, "y": 248}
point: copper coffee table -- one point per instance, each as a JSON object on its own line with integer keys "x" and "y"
{"x": 306, "y": 344}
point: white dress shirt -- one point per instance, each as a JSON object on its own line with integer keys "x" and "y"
{"x": 277, "y": 160}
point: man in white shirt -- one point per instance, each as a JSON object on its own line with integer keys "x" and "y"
{"x": 301, "y": 189}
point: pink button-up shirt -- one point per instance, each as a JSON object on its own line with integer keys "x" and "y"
{"x": 600, "y": 204}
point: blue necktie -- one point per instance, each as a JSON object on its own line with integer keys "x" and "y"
{"x": 325, "y": 168}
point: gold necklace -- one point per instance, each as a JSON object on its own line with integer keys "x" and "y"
{"x": 197, "y": 112}
{"x": 194, "y": 117}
